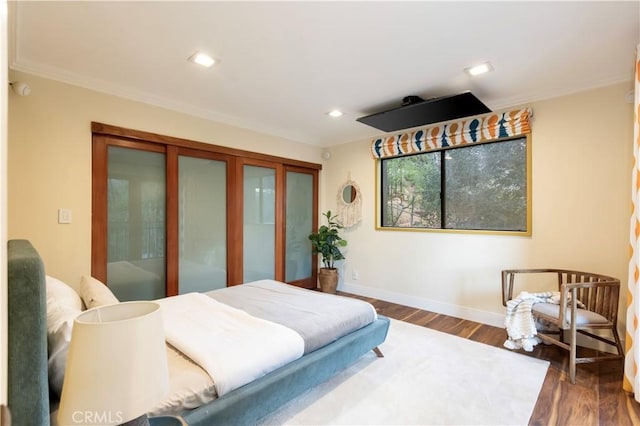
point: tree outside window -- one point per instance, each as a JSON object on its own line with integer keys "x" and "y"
{"x": 477, "y": 187}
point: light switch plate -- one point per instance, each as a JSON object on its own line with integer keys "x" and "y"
{"x": 64, "y": 216}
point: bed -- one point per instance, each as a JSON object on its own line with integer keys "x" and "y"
{"x": 28, "y": 392}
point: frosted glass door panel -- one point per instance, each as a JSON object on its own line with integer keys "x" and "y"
{"x": 202, "y": 222}
{"x": 259, "y": 223}
{"x": 136, "y": 224}
{"x": 299, "y": 217}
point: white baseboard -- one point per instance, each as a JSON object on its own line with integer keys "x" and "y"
{"x": 484, "y": 317}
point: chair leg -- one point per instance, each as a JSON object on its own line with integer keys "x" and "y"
{"x": 616, "y": 337}
{"x": 572, "y": 352}
{"x": 572, "y": 362}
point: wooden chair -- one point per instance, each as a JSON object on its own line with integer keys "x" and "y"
{"x": 598, "y": 293}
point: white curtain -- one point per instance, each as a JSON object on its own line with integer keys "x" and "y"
{"x": 632, "y": 360}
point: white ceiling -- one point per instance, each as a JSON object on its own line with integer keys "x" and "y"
{"x": 285, "y": 64}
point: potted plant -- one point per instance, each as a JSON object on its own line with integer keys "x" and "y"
{"x": 326, "y": 242}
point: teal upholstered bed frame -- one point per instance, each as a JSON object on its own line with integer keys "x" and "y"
{"x": 249, "y": 403}
{"x": 28, "y": 389}
{"x": 28, "y": 383}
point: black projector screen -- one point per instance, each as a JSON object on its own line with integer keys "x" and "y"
{"x": 426, "y": 112}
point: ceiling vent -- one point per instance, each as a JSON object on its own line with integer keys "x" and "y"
{"x": 416, "y": 111}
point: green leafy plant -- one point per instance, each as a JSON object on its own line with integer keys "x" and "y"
{"x": 327, "y": 242}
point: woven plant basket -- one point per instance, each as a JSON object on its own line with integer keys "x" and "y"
{"x": 328, "y": 279}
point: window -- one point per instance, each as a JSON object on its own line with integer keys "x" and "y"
{"x": 481, "y": 187}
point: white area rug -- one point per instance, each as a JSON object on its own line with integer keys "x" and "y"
{"x": 426, "y": 378}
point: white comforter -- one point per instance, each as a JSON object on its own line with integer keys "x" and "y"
{"x": 233, "y": 347}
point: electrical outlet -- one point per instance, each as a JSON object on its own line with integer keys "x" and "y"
{"x": 355, "y": 275}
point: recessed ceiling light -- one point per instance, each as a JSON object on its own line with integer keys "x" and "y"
{"x": 479, "y": 69}
{"x": 335, "y": 113}
{"x": 203, "y": 59}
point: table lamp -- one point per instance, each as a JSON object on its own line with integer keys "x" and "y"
{"x": 116, "y": 367}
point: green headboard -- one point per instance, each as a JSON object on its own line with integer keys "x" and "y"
{"x": 28, "y": 383}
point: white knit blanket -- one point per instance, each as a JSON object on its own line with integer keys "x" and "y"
{"x": 519, "y": 322}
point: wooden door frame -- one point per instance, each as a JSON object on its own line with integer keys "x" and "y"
{"x": 104, "y": 135}
{"x": 99, "y": 175}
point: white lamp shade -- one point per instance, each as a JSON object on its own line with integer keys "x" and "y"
{"x": 117, "y": 365}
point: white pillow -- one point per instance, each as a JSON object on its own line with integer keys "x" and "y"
{"x": 62, "y": 293}
{"x": 59, "y": 325}
{"x": 94, "y": 293}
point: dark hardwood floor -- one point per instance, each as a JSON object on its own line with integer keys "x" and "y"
{"x": 597, "y": 397}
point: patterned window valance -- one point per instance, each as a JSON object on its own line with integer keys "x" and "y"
{"x": 456, "y": 133}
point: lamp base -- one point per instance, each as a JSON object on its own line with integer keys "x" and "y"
{"x": 143, "y": 420}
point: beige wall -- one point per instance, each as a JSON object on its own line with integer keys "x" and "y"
{"x": 582, "y": 160}
{"x": 50, "y": 161}
{"x": 4, "y": 88}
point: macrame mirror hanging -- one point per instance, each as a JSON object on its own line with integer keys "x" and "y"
{"x": 349, "y": 204}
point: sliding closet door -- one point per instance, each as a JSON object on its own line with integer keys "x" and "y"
{"x": 173, "y": 216}
{"x": 279, "y": 205}
{"x": 259, "y": 223}
{"x": 300, "y": 221}
{"x": 202, "y": 224}
{"x": 136, "y": 223}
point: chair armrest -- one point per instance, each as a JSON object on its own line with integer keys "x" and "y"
{"x": 613, "y": 283}
{"x": 583, "y": 280}
{"x": 508, "y": 279}
{"x": 598, "y": 296}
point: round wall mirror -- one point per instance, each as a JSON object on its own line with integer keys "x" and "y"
{"x": 349, "y": 194}
{"x": 349, "y": 204}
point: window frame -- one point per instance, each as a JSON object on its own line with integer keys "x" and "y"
{"x": 526, "y": 233}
